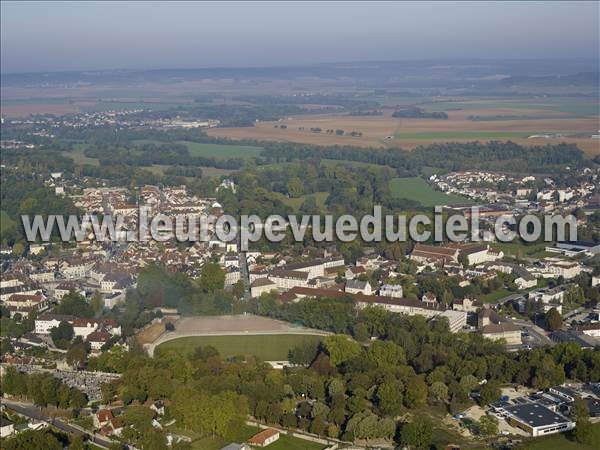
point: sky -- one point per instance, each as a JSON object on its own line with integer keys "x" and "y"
{"x": 63, "y": 36}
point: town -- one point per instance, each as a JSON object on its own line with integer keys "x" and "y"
{"x": 468, "y": 318}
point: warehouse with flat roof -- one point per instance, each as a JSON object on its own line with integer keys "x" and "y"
{"x": 537, "y": 420}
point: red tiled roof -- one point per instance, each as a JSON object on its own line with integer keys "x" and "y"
{"x": 260, "y": 438}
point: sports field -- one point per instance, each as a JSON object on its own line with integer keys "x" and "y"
{"x": 419, "y": 190}
{"x": 269, "y": 347}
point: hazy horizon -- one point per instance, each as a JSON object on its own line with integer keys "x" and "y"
{"x": 67, "y": 36}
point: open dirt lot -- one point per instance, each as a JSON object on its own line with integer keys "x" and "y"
{"x": 387, "y": 131}
{"x": 153, "y": 331}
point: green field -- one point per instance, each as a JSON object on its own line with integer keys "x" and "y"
{"x": 569, "y": 106}
{"x": 295, "y": 203}
{"x": 273, "y": 347}
{"x": 221, "y": 151}
{"x": 419, "y": 190}
{"x": 557, "y": 442}
{"x": 495, "y": 296}
{"x": 519, "y": 249}
{"x": 78, "y": 156}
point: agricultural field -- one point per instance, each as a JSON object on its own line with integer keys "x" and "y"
{"x": 419, "y": 190}
{"x": 269, "y": 347}
{"x": 572, "y": 121}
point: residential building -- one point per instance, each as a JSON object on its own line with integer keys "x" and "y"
{"x": 45, "y": 322}
{"x": 261, "y": 286}
{"x": 7, "y": 427}
{"x": 457, "y": 320}
{"x": 391, "y": 290}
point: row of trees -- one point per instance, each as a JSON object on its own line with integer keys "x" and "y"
{"x": 42, "y": 389}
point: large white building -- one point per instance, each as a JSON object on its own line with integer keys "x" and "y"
{"x": 537, "y": 420}
{"x": 45, "y": 322}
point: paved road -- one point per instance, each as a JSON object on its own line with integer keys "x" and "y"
{"x": 33, "y": 412}
{"x": 244, "y": 273}
{"x": 537, "y": 336}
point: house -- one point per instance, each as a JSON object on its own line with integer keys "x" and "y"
{"x": 116, "y": 282}
{"x": 234, "y": 446}
{"x": 74, "y": 269}
{"x": 64, "y": 288}
{"x": 358, "y": 287}
{"x": 158, "y": 407}
{"x": 477, "y": 254}
{"x": 102, "y": 417}
{"x": 25, "y": 304}
{"x": 232, "y": 276}
{"x": 261, "y": 286}
{"x": 264, "y": 438}
{"x": 494, "y": 327}
{"x": 97, "y": 339}
{"x": 526, "y": 281}
{"x": 353, "y": 272}
{"x": 43, "y": 276}
{"x": 6, "y": 427}
{"x": 537, "y": 420}
{"x": 466, "y": 305}
{"x": 83, "y": 327}
{"x": 391, "y": 290}
{"x": 429, "y": 298}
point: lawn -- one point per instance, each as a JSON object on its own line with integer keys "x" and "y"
{"x": 219, "y": 151}
{"x": 496, "y": 295}
{"x": 556, "y": 442}
{"x": 519, "y": 249}
{"x": 295, "y": 203}
{"x": 419, "y": 190}
{"x": 272, "y": 347}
